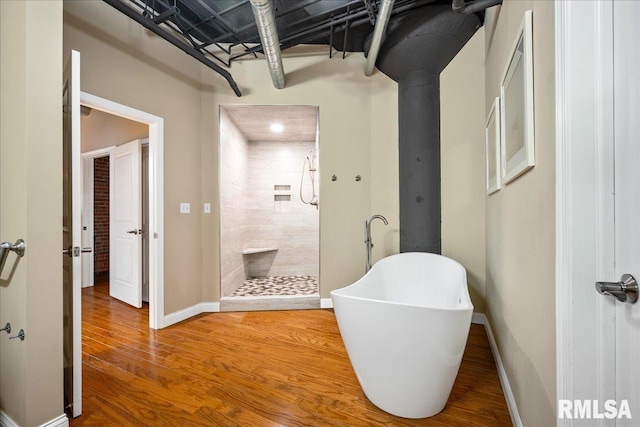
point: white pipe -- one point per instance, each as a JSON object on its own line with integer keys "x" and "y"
{"x": 266, "y": 22}
{"x": 381, "y": 25}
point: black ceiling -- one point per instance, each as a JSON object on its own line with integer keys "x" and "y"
{"x": 226, "y": 30}
{"x": 217, "y": 32}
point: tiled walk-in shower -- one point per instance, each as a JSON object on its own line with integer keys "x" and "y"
{"x": 269, "y": 208}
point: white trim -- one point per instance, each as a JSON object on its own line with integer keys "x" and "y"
{"x": 585, "y": 322}
{"x": 326, "y": 303}
{"x": 504, "y": 379}
{"x": 156, "y": 197}
{"x": 210, "y": 307}
{"x": 479, "y": 318}
{"x": 189, "y": 312}
{"x": 87, "y": 221}
{"x": 100, "y": 152}
{"x": 6, "y": 421}
{"x": 61, "y": 421}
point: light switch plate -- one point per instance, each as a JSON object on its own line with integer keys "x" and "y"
{"x": 207, "y": 208}
{"x": 185, "y": 208}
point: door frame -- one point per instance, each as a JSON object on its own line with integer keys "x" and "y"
{"x": 156, "y": 197}
{"x": 88, "y": 207}
{"x": 584, "y": 202}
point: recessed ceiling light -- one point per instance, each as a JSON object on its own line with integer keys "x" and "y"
{"x": 277, "y": 127}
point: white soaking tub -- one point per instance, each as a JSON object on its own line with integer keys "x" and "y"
{"x": 405, "y": 326}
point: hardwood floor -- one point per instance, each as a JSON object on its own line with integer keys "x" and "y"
{"x": 276, "y": 368}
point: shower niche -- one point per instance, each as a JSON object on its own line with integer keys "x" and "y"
{"x": 269, "y": 207}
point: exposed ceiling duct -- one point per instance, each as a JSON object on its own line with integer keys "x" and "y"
{"x": 147, "y": 21}
{"x": 266, "y": 23}
{"x": 418, "y": 46}
{"x": 381, "y": 25}
{"x": 217, "y": 32}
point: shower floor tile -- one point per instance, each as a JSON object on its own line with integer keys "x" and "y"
{"x": 278, "y": 286}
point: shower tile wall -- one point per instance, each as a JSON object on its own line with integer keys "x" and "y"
{"x": 234, "y": 150}
{"x": 292, "y": 229}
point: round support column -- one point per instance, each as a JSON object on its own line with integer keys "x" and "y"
{"x": 419, "y": 162}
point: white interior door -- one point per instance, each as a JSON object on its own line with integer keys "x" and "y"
{"x": 71, "y": 237}
{"x": 627, "y": 175}
{"x": 125, "y": 273}
{"x": 87, "y": 221}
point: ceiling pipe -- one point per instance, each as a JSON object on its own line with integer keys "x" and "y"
{"x": 266, "y": 23}
{"x": 381, "y": 25}
{"x": 155, "y": 28}
{"x": 472, "y": 7}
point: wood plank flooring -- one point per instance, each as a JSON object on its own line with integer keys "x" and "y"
{"x": 275, "y": 368}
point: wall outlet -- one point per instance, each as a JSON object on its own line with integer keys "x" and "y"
{"x": 207, "y": 208}
{"x": 185, "y": 208}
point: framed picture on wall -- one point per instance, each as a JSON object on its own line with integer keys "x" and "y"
{"x": 492, "y": 138}
{"x": 516, "y": 100}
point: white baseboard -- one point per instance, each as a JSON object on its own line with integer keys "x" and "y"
{"x": 6, "y": 421}
{"x": 504, "y": 380}
{"x": 210, "y": 307}
{"x": 479, "y": 318}
{"x": 194, "y": 310}
{"x": 326, "y": 303}
{"x": 61, "y": 421}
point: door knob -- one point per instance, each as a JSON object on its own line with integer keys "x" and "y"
{"x": 626, "y": 290}
{"x": 74, "y": 251}
{"x": 135, "y": 231}
{"x": 6, "y": 247}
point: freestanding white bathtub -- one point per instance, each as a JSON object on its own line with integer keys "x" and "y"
{"x": 405, "y": 326}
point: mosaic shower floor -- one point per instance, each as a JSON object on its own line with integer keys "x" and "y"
{"x": 278, "y": 286}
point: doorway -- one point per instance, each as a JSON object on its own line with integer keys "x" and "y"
{"x": 98, "y": 192}
{"x": 269, "y": 207}
{"x": 154, "y": 195}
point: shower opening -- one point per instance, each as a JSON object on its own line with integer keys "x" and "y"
{"x": 269, "y": 207}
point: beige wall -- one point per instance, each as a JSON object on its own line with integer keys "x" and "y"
{"x": 383, "y": 179}
{"x": 520, "y": 230}
{"x": 462, "y": 153}
{"x": 122, "y": 62}
{"x": 101, "y": 130}
{"x": 31, "y": 140}
{"x": 358, "y": 135}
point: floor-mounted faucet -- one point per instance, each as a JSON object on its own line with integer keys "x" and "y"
{"x": 367, "y": 237}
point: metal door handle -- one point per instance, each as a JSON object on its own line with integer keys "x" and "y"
{"x": 68, "y": 251}
{"x": 135, "y": 231}
{"x": 74, "y": 251}
{"x": 626, "y": 290}
{"x": 6, "y": 247}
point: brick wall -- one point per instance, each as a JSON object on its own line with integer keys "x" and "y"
{"x": 101, "y": 214}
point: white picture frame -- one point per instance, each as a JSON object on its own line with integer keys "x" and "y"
{"x": 517, "y": 103}
{"x": 493, "y": 148}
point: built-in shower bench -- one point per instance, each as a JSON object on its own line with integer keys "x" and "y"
{"x": 250, "y": 251}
